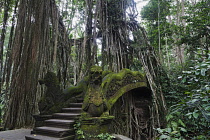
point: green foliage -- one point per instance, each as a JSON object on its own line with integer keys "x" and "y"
{"x": 105, "y": 136}
{"x": 196, "y": 102}
{"x": 150, "y": 11}
{"x": 190, "y": 117}
{"x": 155, "y": 13}
{"x": 197, "y": 29}
{"x": 180, "y": 24}
{"x": 175, "y": 127}
{"x": 79, "y": 133}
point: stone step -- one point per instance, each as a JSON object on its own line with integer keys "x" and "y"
{"x": 41, "y": 137}
{"x": 80, "y": 100}
{"x": 64, "y": 116}
{"x": 79, "y": 105}
{"x": 120, "y": 137}
{"x": 42, "y": 117}
{"x": 53, "y": 131}
{"x": 59, "y": 123}
{"x": 72, "y": 110}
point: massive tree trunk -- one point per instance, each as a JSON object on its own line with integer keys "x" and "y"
{"x": 88, "y": 31}
{"x": 112, "y": 22}
{"x": 27, "y": 49}
{"x": 33, "y": 53}
{"x": 25, "y": 58}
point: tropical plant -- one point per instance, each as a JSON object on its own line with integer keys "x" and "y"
{"x": 194, "y": 106}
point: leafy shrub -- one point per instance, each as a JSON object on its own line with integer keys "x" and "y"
{"x": 194, "y": 106}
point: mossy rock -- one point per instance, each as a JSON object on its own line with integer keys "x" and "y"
{"x": 50, "y": 80}
{"x": 96, "y": 69}
{"x": 119, "y": 77}
{"x": 73, "y": 91}
{"x": 114, "y": 85}
{"x": 53, "y": 95}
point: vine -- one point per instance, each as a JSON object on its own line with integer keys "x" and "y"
{"x": 133, "y": 116}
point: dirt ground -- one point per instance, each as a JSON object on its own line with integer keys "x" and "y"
{"x": 18, "y": 134}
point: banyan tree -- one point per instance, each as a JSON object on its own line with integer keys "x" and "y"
{"x": 40, "y": 43}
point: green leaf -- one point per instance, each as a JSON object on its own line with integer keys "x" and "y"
{"x": 159, "y": 130}
{"x": 203, "y": 65}
{"x": 197, "y": 72}
{"x": 174, "y": 125}
{"x": 164, "y": 137}
{"x": 183, "y": 129}
{"x": 184, "y": 80}
{"x": 79, "y": 132}
{"x": 203, "y": 72}
{"x": 181, "y": 122}
{"x": 168, "y": 130}
{"x": 187, "y": 92}
{"x": 190, "y": 116}
{"x": 206, "y": 99}
{"x": 168, "y": 117}
{"x": 207, "y": 108}
{"x": 208, "y": 114}
{"x": 174, "y": 132}
{"x": 195, "y": 115}
{"x": 194, "y": 100}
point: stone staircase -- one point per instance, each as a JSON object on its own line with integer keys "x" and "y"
{"x": 59, "y": 126}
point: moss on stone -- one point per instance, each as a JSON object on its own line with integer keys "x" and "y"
{"x": 96, "y": 125}
{"x": 99, "y": 119}
{"x": 137, "y": 79}
{"x": 119, "y": 76}
{"x": 96, "y": 95}
{"x": 94, "y": 103}
{"x": 50, "y": 79}
{"x": 76, "y": 90}
{"x": 53, "y": 94}
{"x": 104, "y": 73}
{"x": 96, "y": 91}
{"x": 123, "y": 90}
{"x": 96, "y": 69}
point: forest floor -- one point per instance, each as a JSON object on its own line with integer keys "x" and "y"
{"x": 18, "y": 134}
